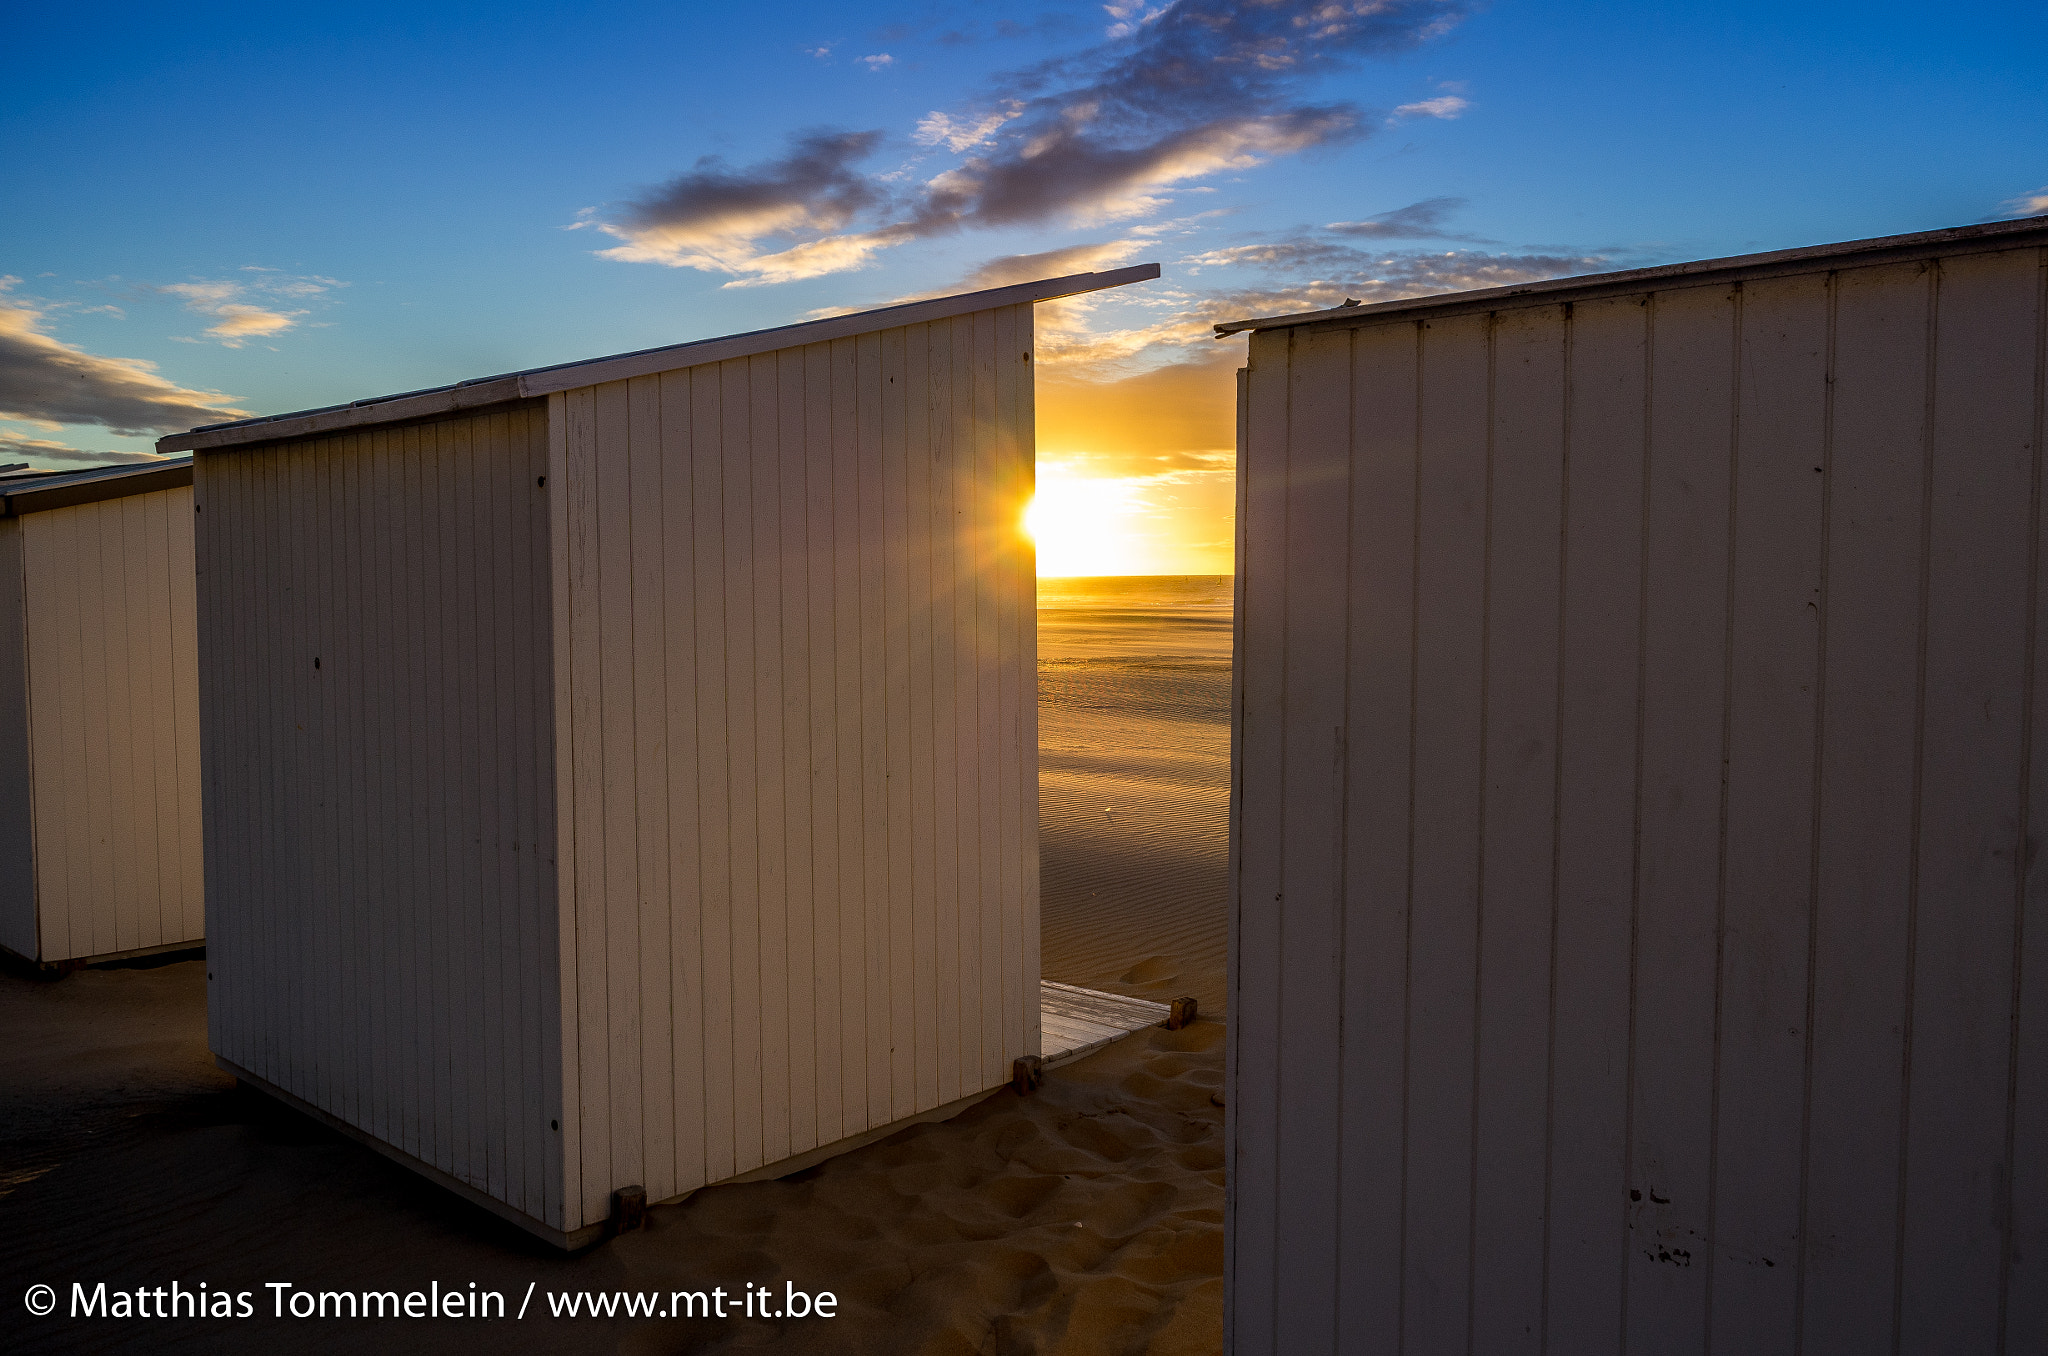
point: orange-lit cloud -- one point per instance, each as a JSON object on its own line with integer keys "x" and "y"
{"x": 44, "y": 380}
{"x": 2029, "y": 204}
{"x": 232, "y": 303}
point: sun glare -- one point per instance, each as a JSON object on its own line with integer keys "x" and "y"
{"x": 1084, "y": 526}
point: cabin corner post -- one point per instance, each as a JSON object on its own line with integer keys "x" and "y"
{"x": 1027, "y": 436}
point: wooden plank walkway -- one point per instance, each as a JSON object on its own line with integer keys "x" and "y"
{"x": 1078, "y": 1022}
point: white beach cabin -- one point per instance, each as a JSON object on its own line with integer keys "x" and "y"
{"x": 623, "y": 774}
{"x": 1640, "y": 941}
{"x": 99, "y": 715}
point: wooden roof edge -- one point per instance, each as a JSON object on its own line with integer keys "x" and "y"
{"x": 334, "y": 418}
{"x": 1851, "y": 253}
{"x": 66, "y": 488}
{"x": 569, "y": 376}
{"x": 541, "y": 381}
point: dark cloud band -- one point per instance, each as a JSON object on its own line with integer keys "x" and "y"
{"x": 47, "y": 380}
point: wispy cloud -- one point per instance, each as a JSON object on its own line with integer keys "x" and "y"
{"x": 877, "y": 61}
{"x": 1181, "y": 93}
{"x": 233, "y": 304}
{"x": 1016, "y": 268}
{"x": 1425, "y": 220}
{"x": 2032, "y": 204}
{"x": 1443, "y": 106}
{"x": 965, "y": 132}
{"x": 1130, "y": 16}
{"x": 44, "y": 380}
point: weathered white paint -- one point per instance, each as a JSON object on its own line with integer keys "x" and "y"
{"x": 99, "y": 741}
{"x": 1638, "y": 942}
{"x": 664, "y": 806}
{"x": 797, "y": 790}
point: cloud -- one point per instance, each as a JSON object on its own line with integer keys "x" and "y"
{"x": 959, "y": 134}
{"x": 40, "y": 450}
{"x": 1188, "y": 91}
{"x": 1444, "y": 106}
{"x": 711, "y": 216}
{"x": 877, "y": 61}
{"x": 1066, "y": 170}
{"x": 237, "y": 319}
{"x": 2029, "y": 204}
{"x": 833, "y": 254}
{"x": 238, "y": 322}
{"x": 1016, "y": 268}
{"x": 45, "y": 380}
{"x": 1130, "y": 16}
{"x": 1417, "y": 221}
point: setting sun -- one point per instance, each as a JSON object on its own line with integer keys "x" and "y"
{"x": 1085, "y": 526}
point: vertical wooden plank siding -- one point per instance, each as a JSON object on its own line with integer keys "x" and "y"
{"x": 17, "y": 807}
{"x": 783, "y": 578}
{"x": 1523, "y": 595}
{"x": 2023, "y": 1292}
{"x": 380, "y": 833}
{"x": 1637, "y": 936}
{"x": 1380, "y": 691}
{"x": 99, "y": 684}
{"x": 1773, "y": 702}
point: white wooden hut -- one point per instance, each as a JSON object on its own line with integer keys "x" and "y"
{"x": 624, "y": 773}
{"x": 1639, "y": 938}
{"x": 99, "y": 715}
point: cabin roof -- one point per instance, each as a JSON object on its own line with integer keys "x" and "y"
{"x": 540, "y": 381}
{"x": 32, "y": 493}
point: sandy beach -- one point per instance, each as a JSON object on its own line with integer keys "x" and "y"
{"x": 1134, "y": 783}
{"x": 1083, "y": 1218}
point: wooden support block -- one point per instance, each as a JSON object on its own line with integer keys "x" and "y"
{"x": 1179, "y": 1013}
{"x": 1027, "y": 1073}
{"x": 629, "y": 1209}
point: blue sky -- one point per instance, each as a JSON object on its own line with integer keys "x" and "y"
{"x": 279, "y": 208}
